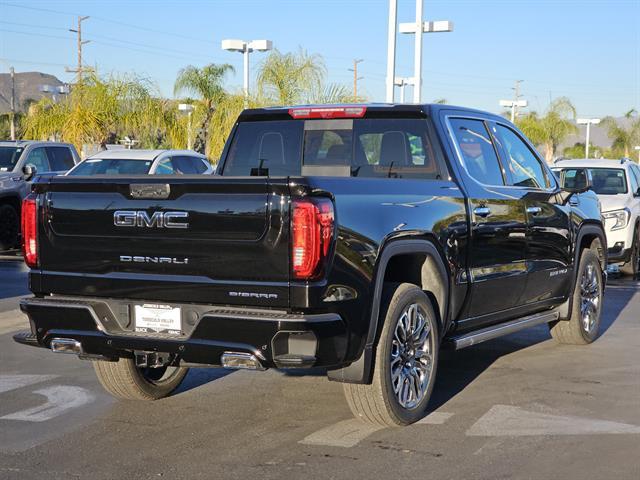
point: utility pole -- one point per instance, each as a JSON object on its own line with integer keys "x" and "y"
{"x": 516, "y": 98}
{"x": 355, "y": 77}
{"x": 516, "y": 102}
{"x": 13, "y": 103}
{"x": 80, "y": 68}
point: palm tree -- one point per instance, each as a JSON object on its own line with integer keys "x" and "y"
{"x": 332, "y": 93}
{"x": 551, "y": 129}
{"x": 288, "y": 78}
{"x": 205, "y": 84}
{"x": 624, "y": 138}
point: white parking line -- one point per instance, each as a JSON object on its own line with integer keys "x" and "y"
{"x": 60, "y": 398}
{"x": 13, "y": 382}
{"x": 435, "y": 418}
{"x": 508, "y": 420}
{"x": 347, "y": 433}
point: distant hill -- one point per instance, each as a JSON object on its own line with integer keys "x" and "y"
{"x": 28, "y": 86}
{"x": 598, "y": 135}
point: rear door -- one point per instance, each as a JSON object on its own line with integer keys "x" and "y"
{"x": 549, "y": 251}
{"x": 497, "y": 263}
{"x": 180, "y": 239}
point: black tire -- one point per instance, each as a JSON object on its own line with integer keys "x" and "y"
{"x": 380, "y": 403}
{"x": 633, "y": 265}
{"x": 124, "y": 380}
{"x": 581, "y": 330}
{"x": 9, "y": 227}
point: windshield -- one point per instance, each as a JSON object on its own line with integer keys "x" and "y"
{"x": 9, "y": 157}
{"x": 111, "y": 166}
{"x": 608, "y": 181}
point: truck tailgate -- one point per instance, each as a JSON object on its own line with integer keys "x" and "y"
{"x": 211, "y": 240}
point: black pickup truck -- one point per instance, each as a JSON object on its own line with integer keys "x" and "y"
{"x": 357, "y": 238}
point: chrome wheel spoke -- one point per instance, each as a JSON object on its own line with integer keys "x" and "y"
{"x": 589, "y": 297}
{"x": 411, "y": 359}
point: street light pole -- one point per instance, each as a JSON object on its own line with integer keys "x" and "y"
{"x": 417, "y": 58}
{"x": 402, "y": 82}
{"x": 418, "y": 28}
{"x": 188, "y": 108}
{"x": 13, "y": 103}
{"x": 588, "y": 122}
{"x": 246, "y": 48}
{"x": 512, "y": 104}
{"x": 391, "y": 49}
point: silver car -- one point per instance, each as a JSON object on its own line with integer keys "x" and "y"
{"x": 142, "y": 162}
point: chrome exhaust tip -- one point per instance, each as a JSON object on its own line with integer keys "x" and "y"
{"x": 241, "y": 360}
{"x": 66, "y": 345}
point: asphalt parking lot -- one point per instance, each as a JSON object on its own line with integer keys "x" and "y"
{"x": 518, "y": 407}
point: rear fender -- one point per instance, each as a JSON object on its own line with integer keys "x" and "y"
{"x": 435, "y": 279}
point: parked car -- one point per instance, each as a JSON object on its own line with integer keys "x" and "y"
{"x": 617, "y": 184}
{"x": 355, "y": 238}
{"x": 19, "y": 162}
{"x": 140, "y": 162}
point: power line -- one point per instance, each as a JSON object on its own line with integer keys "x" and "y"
{"x": 108, "y": 20}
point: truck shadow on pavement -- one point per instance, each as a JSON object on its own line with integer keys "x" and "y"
{"x": 201, "y": 376}
{"x": 457, "y": 370}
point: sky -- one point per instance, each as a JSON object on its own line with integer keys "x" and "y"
{"x": 587, "y": 50}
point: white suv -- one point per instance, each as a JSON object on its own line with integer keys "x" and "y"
{"x": 617, "y": 184}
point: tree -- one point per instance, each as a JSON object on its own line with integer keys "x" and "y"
{"x": 624, "y": 138}
{"x": 205, "y": 84}
{"x": 332, "y": 93}
{"x": 551, "y": 129}
{"x": 100, "y": 111}
{"x": 289, "y": 78}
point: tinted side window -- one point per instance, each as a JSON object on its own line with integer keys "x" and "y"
{"x": 184, "y": 165}
{"x": 633, "y": 180}
{"x": 61, "y": 158}
{"x": 199, "y": 164}
{"x": 38, "y": 158}
{"x": 524, "y": 168}
{"x": 164, "y": 167}
{"x": 478, "y": 154}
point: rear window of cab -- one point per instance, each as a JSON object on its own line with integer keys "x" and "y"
{"x": 356, "y": 147}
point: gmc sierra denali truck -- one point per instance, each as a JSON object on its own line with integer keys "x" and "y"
{"x": 358, "y": 238}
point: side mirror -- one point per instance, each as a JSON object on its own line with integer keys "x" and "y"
{"x": 637, "y": 193}
{"x": 29, "y": 171}
{"x": 575, "y": 180}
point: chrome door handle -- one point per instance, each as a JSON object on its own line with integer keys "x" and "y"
{"x": 482, "y": 211}
{"x": 534, "y": 210}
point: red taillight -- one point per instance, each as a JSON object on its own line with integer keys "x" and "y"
{"x": 328, "y": 112}
{"x": 30, "y": 231}
{"x": 312, "y": 232}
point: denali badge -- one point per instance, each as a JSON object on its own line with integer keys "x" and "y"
{"x": 141, "y": 259}
{"x": 140, "y": 218}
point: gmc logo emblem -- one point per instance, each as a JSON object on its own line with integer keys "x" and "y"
{"x": 140, "y": 218}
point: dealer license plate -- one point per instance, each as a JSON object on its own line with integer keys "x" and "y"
{"x": 153, "y": 318}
